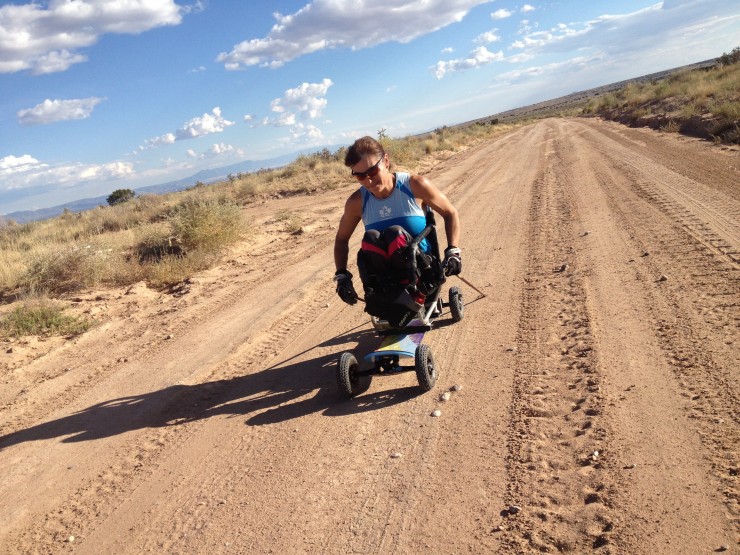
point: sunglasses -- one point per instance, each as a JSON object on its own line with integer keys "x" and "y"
{"x": 372, "y": 171}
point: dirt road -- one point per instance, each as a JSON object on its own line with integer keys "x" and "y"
{"x": 600, "y": 380}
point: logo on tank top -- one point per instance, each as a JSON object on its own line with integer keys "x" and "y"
{"x": 385, "y": 211}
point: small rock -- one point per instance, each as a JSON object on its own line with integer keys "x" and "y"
{"x": 396, "y": 455}
{"x": 456, "y": 387}
{"x": 70, "y": 539}
{"x": 645, "y": 254}
{"x": 663, "y": 277}
{"x": 511, "y": 349}
{"x": 722, "y": 548}
{"x": 436, "y": 413}
{"x": 169, "y": 336}
{"x": 630, "y": 466}
{"x": 498, "y": 529}
{"x": 585, "y": 233}
{"x": 514, "y": 509}
{"x": 561, "y": 269}
{"x": 326, "y": 305}
{"x": 445, "y": 397}
{"x": 9, "y": 350}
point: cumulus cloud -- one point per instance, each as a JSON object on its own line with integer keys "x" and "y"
{"x": 527, "y": 8}
{"x": 479, "y": 57}
{"x": 487, "y": 38}
{"x": 14, "y": 164}
{"x": 45, "y": 37}
{"x": 355, "y": 24}
{"x": 206, "y": 124}
{"x": 501, "y": 14}
{"x": 26, "y": 172}
{"x": 51, "y": 111}
{"x": 217, "y": 150}
{"x": 306, "y": 101}
{"x": 309, "y": 134}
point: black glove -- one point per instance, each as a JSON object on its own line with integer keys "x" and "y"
{"x": 452, "y": 262}
{"x": 345, "y": 289}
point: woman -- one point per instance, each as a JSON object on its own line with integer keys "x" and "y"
{"x": 390, "y": 206}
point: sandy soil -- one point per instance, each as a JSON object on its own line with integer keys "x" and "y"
{"x": 600, "y": 379}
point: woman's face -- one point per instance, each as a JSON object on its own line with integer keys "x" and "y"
{"x": 371, "y": 171}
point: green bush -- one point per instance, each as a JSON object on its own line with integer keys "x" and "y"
{"x": 732, "y": 58}
{"x": 41, "y": 318}
{"x": 120, "y": 196}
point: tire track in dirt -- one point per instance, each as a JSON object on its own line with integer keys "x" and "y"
{"x": 556, "y": 436}
{"x": 698, "y": 349}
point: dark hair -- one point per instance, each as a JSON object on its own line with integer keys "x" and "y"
{"x": 362, "y": 147}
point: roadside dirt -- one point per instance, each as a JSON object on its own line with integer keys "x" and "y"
{"x": 600, "y": 379}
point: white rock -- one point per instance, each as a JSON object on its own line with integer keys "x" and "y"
{"x": 437, "y": 413}
{"x": 70, "y": 539}
{"x": 445, "y": 396}
{"x": 396, "y": 455}
{"x": 456, "y": 387}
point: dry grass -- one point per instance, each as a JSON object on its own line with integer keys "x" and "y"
{"x": 164, "y": 239}
{"x": 712, "y": 94}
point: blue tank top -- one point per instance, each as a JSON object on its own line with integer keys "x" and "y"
{"x": 400, "y": 208}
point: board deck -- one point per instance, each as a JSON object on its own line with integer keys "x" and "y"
{"x": 402, "y": 345}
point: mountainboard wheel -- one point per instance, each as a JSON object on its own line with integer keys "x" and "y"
{"x": 457, "y": 308}
{"x": 350, "y": 382}
{"x": 426, "y": 373}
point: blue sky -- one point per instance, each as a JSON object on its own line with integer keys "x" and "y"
{"x": 97, "y": 95}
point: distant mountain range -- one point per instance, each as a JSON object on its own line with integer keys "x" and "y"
{"x": 203, "y": 176}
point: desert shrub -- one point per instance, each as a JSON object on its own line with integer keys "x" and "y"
{"x": 293, "y": 222}
{"x": 209, "y": 225}
{"x": 730, "y": 58}
{"x": 41, "y": 318}
{"x": 174, "y": 269}
{"x": 120, "y": 196}
{"x": 67, "y": 270}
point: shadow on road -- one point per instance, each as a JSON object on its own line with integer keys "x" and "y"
{"x": 271, "y": 395}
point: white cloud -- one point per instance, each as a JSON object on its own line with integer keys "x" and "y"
{"x": 45, "y": 37}
{"x": 448, "y": 50}
{"x": 487, "y": 38}
{"x": 217, "y": 150}
{"x": 559, "y": 68}
{"x": 355, "y": 24}
{"x": 308, "y": 134}
{"x": 203, "y": 125}
{"x": 501, "y": 14}
{"x": 26, "y": 172}
{"x": 196, "y": 127}
{"x": 50, "y": 111}
{"x": 478, "y": 57}
{"x": 527, "y": 8}
{"x": 14, "y": 164}
{"x": 668, "y": 24}
{"x": 248, "y": 118}
{"x": 306, "y": 101}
